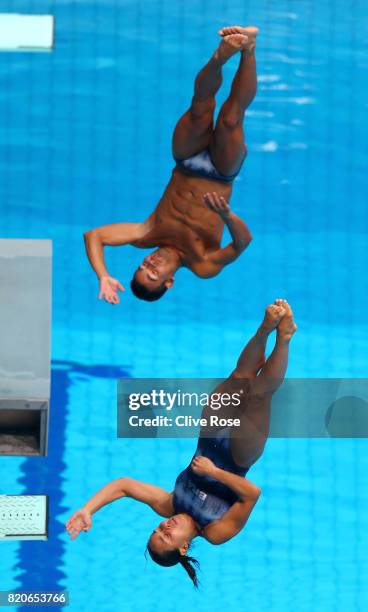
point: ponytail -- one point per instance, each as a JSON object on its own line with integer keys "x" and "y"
{"x": 190, "y": 564}
{"x": 173, "y": 558}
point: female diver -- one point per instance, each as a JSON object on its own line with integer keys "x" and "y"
{"x": 212, "y": 498}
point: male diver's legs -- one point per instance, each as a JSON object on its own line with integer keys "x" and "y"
{"x": 227, "y": 146}
{"x": 194, "y": 130}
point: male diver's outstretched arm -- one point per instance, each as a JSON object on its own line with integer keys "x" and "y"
{"x": 236, "y": 517}
{"x": 116, "y": 234}
{"x": 157, "y": 498}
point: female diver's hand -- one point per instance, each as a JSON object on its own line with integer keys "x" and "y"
{"x": 203, "y": 466}
{"x": 81, "y": 520}
{"x": 109, "y": 288}
{"x": 217, "y": 203}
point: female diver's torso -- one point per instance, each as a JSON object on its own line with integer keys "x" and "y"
{"x": 204, "y": 498}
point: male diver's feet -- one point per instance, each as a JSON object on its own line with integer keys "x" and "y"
{"x": 250, "y": 32}
{"x": 230, "y": 45}
{"x": 287, "y": 327}
{"x": 272, "y": 318}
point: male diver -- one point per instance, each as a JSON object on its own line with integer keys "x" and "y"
{"x": 186, "y": 227}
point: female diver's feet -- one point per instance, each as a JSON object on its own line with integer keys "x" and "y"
{"x": 230, "y": 45}
{"x": 286, "y": 327}
{"x": 250, "y": 32}
{"x": 272, "y": 318}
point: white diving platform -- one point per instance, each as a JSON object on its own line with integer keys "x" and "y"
{"x": 25, "y": 332}
{"x": 19, "y": 32}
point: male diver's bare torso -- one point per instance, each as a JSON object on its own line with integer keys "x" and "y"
{"x": 182, "y": 219}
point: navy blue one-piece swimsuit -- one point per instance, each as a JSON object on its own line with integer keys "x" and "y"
{"x": 203, "y": 498}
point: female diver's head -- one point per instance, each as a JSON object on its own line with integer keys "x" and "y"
{"x": 170, "y": 542}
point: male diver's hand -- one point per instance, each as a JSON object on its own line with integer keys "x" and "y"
{"x": 81, "y": 520}
{"x": 203, "y": 466}
{"x": 217, "y": 203}
{"x": 109, "y": 288}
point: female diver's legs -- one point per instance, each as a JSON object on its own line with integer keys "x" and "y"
{"x": 253, "y": 357}
{"x": 256, "y": 379}
{"x": 194, "y": 130}
{"x": 247, "y": 443}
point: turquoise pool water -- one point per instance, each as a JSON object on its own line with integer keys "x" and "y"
{"x": 85, "y": 141}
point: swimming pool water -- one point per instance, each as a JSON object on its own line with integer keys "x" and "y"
{"x": 85, "y": 141}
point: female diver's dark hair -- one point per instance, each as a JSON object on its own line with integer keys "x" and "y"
{"x": 142, "y": 293}
{"x": 173, "y": 558}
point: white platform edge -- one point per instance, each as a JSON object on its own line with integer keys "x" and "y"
{"x": 22, "y": 32}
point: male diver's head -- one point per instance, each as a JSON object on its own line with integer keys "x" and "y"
{"x": 155, "y": 274}
{"x": 170, "y": 541}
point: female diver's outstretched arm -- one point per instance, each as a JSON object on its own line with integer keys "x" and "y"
{"x": 236, "y": 517}
{"x": 158, "y": 499}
